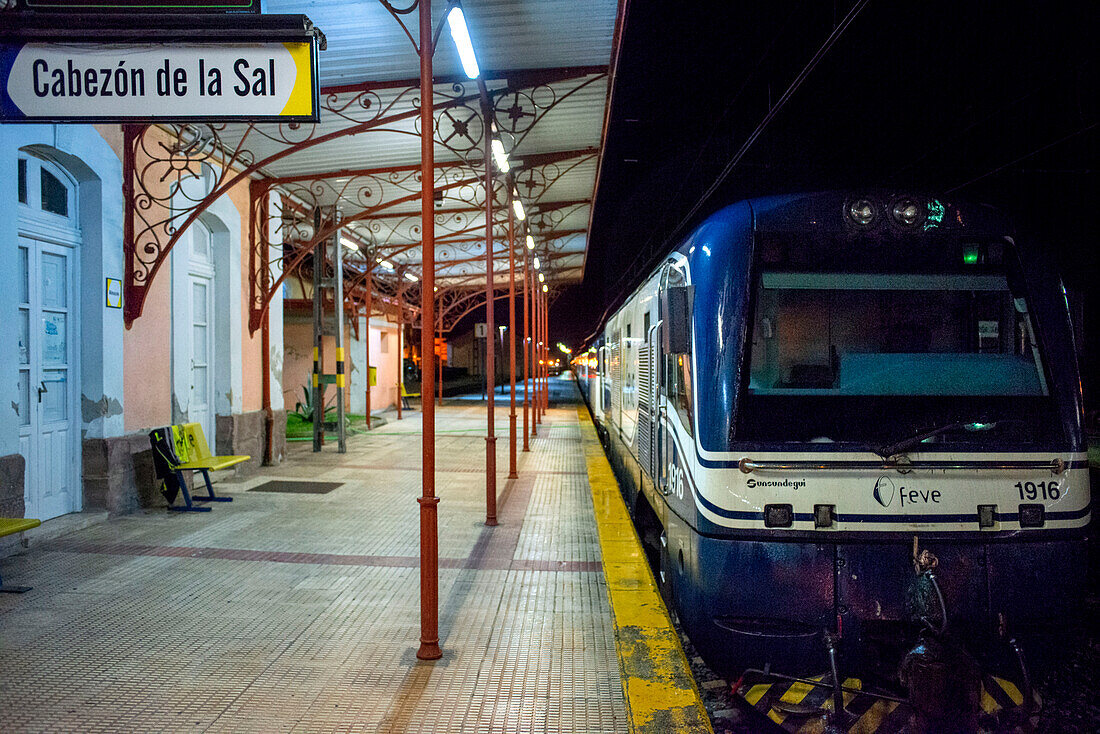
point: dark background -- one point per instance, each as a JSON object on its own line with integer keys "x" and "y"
{"x": 992, "y": 102}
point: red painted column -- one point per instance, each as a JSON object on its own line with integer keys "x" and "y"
{"x": 526, "y": 355}
{"x": 546, "y": 351}
{"x": 370, "y": 307}
{"x": 536, "y": 388}
{"x": 400, "y": 336}
{"x": 542, "y": 355}
{"x": 490, "y": 341}
{"x": 429, "y": 528}
{"x": 440, "y": 360}
{"x": 512, "y": 474}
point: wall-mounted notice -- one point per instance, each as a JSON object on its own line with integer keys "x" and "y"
{"x": 158, "y": 82}
{"x": 114, "y": 293}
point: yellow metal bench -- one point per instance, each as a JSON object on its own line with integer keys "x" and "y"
{"x": 181, "y": 448}
{"x": 10, "y": 526}
{"x": 405, "y": 395}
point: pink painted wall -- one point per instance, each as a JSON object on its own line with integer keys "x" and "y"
{"x": 252, "y": 356}
{"x": 147, "y": 346}
{"x": 384, "y": 394}
{"x": 298, "y": 360}
{"x": 147, "y": 359}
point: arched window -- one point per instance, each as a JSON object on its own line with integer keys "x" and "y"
{"x": 42, "y": 186}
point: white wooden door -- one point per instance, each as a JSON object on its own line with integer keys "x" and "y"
{"x": 47, "y": 378}
{"x": 201, "y": 405}
{"x": 194, "y": 323}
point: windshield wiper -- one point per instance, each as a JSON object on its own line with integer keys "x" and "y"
{"x": 905, "y": 444}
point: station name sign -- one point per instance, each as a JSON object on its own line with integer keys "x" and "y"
{"x": 112, "y": 82}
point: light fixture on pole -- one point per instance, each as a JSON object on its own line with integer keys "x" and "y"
{"x": 542, "y": 278}
{"x": 530, "y": 242}
{"x": 544, "y": 288}
{"x": 537, "y": 264}
{"x": 517, "y": 207}
{"x": 456, "y": 23}
{"x": 500, "y": 156}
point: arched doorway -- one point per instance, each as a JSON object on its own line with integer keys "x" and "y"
{"x": 49, "y": 337}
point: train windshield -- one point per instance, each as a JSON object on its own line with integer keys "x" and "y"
{"x": 845, "y": 355}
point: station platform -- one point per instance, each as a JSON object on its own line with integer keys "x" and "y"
{"x": 299, "y": 610}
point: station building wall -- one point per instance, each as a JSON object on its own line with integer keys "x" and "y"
{"x": 93, "y": 447}
{"x": 298, "y": 370}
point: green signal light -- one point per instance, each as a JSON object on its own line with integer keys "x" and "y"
{"x": 970, "y": 255}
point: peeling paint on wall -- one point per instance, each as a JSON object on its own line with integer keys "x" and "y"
{"x": 105, "y": 407}
{"x": 179, "y": 414}
{"x": 277, "y": 363}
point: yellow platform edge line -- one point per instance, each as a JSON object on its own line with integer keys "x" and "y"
{"x": 660, "y": 691}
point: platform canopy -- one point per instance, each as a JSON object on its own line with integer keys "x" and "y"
{"x": 543, "y": 93}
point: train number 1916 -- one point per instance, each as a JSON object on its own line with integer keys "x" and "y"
{"x": 1039, "y": 490}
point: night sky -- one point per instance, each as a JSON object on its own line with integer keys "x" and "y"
{"x": 992, "y": 102}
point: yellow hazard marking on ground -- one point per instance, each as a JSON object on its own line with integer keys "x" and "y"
{"x": 874, "y": 717}
{"x": 1010, "y": 688}
{"x": 660, "y": 691}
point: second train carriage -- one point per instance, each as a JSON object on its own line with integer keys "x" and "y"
{"x": 814, "y": 388}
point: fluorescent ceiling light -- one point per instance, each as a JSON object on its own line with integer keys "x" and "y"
{"x": 500, "y": 156}
{"x": 386, "y": 264}
{"x": 456, "y": 23}
{"x": 410, "y": 276}
{"x": 349, "y": 244}
{"x": 542, "y": 278}
{"x": 517, "y": 207}
{"x": 530, "y": 242}
{"x": 545, "y": 289}
{"x": 537, "y": 263}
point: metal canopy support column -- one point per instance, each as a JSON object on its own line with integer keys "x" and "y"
{"x": 261, "y": 240}
{"x": 542, "y": 359}
{"x": 318, "y": 337}
{"x": 526, "y": 360}
{"x": 546, "y": 350}
{"x": 536, "y": 417}
{"x": 429, "y": 530}
{"x": 400, "y": 336}
{"x": 341, "y": 372}
{"x": 369, "y": 308}
{"x": 439, "y": 360}
{"x": 490, "y": 338}
{"x": 536, "y": 348}
{"x": 512, "y": 474}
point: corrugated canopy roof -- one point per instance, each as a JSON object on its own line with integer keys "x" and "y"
{"x": 542, "y": 93}
{"x": 544, "y": 65}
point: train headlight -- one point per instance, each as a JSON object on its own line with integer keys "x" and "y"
{"x": 862, "y": 211}
{"x": 907, "y": 212}
{"x": 778, "y": 516}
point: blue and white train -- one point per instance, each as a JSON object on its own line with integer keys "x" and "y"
{"x": 813, "y": 389}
